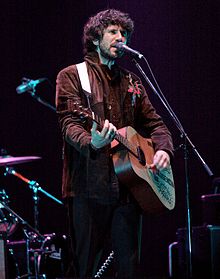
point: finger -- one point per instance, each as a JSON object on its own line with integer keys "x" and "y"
{"x": 105, "y": 128}
{"x": 94, "y": 127}
{"x": 111, "y": 131}
{"x": 152, "y": 167}
{"x": 110, "y": 134}
{"x": 163, "y": 163}
{"x": 156, "y": 162}
{"x": 112, "y": 128}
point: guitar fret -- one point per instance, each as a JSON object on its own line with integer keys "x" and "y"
{"x": 90, "y": 114}
{"x": 100, "y": 120}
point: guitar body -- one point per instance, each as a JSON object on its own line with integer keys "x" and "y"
{"x": 153, "y": 190}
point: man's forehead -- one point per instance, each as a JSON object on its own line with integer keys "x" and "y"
{"x": 115, "y": 26}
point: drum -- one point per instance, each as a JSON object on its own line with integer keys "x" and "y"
{"x": 53, "y": 259}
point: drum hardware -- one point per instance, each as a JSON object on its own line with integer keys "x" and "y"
{"x": 13, "y": 268}
{"x": 48, "y": 257}
{"x": 31, "y": 235}
{"x": 8, "y": 222}
{"x": 35, "y": 187}
{"x": 52, "y": 260}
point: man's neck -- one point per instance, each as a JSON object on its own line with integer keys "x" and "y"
{"x": 105, "y": 61}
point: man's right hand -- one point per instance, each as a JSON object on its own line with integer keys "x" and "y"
{"x": 103, "y": 138}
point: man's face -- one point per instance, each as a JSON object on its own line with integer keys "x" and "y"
{"x": 111, "y": 35}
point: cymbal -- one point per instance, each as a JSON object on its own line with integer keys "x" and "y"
{"x": 10, "y": 160}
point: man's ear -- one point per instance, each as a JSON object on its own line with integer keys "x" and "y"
{"x": 96, "y": 42}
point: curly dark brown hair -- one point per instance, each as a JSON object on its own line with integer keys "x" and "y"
{"x": 93, "y": 29}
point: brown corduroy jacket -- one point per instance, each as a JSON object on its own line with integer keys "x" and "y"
{"x": 87, "y": 172}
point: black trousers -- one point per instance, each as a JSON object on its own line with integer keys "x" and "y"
{"x": 92, "y": 224}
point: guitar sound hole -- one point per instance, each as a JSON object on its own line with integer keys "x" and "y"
{"x": 141, "y": 157}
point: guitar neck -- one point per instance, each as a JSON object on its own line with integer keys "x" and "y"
{"x": 122, "y": 140}
{"x": 85, "y": 113}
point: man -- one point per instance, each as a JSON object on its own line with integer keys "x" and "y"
{"x": 99, "y": 207}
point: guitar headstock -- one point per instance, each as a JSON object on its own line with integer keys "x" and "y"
{"x": 80, "y": 111}
{"x": 85, "y": 113}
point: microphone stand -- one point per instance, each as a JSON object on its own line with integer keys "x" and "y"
{"x": 33, "y": 184}
{"x": 186, "y": 144}
{"x": 40, "y": 100}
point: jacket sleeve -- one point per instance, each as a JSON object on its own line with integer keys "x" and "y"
{"x": 68, "y": 91}
{"x": 153, "y": 124}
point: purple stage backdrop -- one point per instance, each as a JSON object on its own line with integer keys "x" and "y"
{"x": 180, "y": 41}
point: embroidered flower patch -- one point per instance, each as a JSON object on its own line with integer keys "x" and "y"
{"x": 135, "y": 88}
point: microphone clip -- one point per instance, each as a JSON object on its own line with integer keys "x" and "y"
{"x": 28, "y": 85}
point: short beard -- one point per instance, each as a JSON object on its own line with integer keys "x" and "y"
{"x": 108, "y": 56}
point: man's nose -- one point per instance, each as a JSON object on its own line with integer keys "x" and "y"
{"x": 120, "y": 37}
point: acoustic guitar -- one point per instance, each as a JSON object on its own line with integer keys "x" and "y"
{"x": 153, "y": 189}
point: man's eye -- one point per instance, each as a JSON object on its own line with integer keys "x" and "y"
{"x": 113, "y": 31}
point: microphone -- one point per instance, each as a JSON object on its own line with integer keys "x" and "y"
{"x": 28, "y": 84}
{"x": 122, "y": 46}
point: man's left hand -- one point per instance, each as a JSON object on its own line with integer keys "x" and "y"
{"x": 161, "y": 160}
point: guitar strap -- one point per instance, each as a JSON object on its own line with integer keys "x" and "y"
{"x": 84, "y": 80}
